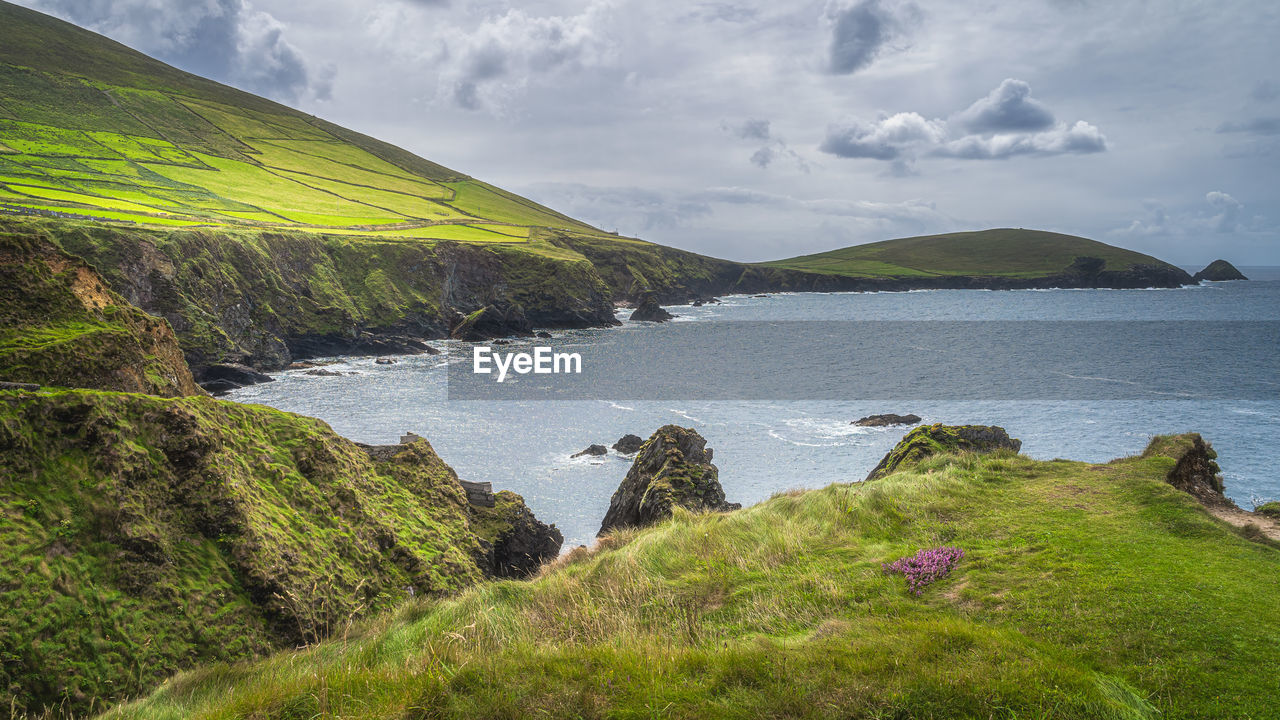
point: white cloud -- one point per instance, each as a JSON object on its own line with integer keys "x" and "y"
{"x": 1005, "y": 123}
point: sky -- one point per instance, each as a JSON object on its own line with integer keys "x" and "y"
{"x": 760, "y": 130}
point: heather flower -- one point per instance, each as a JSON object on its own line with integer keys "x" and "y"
{"x": 925, "y": 566}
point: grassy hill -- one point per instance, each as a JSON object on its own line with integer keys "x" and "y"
{"x": 140, "y": 536}
{"x": 1002, "y": 252}
{"x": 1085, "y": 591}
{"x": 92, "y": 129}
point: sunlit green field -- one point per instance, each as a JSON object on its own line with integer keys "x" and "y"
{"x": 95, "y": 131}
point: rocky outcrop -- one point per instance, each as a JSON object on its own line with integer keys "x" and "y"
{"x": 266, "y": 299}
{"x": 1196, "y": 471}
{"x": 673, "y": 469}
{"x": 629, "y": 444}
{"x": 650, "y": 311}
{"x": 928, "y": 440}
{"x": 591, "y": 450}
{"x": 224, "y": 377}
{"x": 61, "y": 325}
{"x": 886, "y": 420}
{"x": 489, "y": 322}
{"x": 514, "y": 543}
{"x": 1218, "y": 271}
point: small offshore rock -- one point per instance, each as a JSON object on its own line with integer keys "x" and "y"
{"x": 673, "y": 469}
{"x": 1218, "y": 271}
{"x": 887, "y": 419}
{"x": 628, "y": 444}
{"x": 543, "y": 334}
{"x": 650, "y": 311}
{"x": 384, "y": 361}
{"x": 321, "y": 372}
{"x": 593, "y": 450}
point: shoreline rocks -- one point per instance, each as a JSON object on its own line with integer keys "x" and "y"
{"x": 886, "y": 420}
{"x": 650, "y": 311}
{"x": 592, "y": 451}
{"x": 673, "y": 469}
{"x": 629, "y": 444}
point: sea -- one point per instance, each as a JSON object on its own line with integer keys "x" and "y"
{"x": 774, "y": 384}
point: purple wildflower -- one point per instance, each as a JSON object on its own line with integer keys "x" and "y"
{"x": 925, "y": 566}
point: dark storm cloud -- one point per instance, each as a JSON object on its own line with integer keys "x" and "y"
{"x": 860, "y": 31}
{"x": 1009, "y": 107}
{"x": 1256, "y": 126}
{"x": 225, "y": 40}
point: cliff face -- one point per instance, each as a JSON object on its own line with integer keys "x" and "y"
{"x": 142, "y": 536}
{"x": 61, "y": 325}
{"x": 264, "y": 299}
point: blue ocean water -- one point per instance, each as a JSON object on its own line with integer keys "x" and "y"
{"x": 766, "y": 446}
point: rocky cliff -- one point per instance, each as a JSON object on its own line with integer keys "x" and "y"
{"x": 673, "y": 468}
{"x": 61, "y": 325}
{"x": 265, "y": 299}
{"x": 938, "y": 439}
{"x": 144, "y": 535}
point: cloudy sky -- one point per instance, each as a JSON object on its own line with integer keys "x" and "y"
{"x": 755, "y": 130}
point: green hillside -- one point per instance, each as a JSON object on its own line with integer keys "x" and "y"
{"x": 140, "y": 536}
{"x": 1002, "y": 252}
{"x": 1085, "y": 591}
{"x": 92, "y": 129}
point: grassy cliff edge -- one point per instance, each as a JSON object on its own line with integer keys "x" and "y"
{"x": 1085, "y": 591}
{"x": 144, "y": 535}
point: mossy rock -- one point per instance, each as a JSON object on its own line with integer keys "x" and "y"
{"x": 939, "y": 439}
{"x": 61, "y": 325}
{"x": 1269, "y": 509}
{"x": 144, "y": 535}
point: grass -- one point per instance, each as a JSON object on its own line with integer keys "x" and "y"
{"x": 1000, "y": 252}
{"x": 105, "y": 129}
{"x": 1085, "y": 591}
{"x": 141, "y": 535}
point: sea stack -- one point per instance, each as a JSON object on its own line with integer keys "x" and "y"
{"x": 673, "y": 468}
{"x": 1219, "y": 270}
{"x": 650, "y": 311}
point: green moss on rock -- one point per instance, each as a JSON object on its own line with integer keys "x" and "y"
{"x": 60, "y": 325}
{"x": 939, "y": 439}
{"x": 143, "y": 535}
